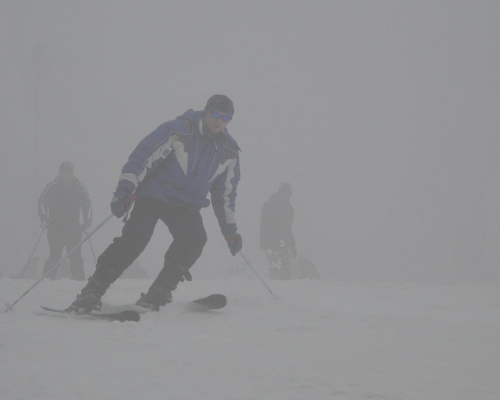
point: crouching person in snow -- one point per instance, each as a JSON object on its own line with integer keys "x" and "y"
{"x": 169, "y": 176}
{"x": 276, "y": 235}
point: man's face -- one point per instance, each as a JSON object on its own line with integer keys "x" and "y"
{"x": 214, "y": 121}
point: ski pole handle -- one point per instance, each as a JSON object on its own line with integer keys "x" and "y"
{"x": 129, "y": 201}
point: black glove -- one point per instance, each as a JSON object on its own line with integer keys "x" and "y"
{"x": 235, "y": 243}
{"x": 122, "y": 198}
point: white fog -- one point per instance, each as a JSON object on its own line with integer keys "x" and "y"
{"x": 383, "y": 116}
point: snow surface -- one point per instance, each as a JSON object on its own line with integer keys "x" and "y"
{"x": 321, "y": 339}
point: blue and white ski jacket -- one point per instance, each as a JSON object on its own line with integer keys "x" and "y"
{"x": 179, "y": 165}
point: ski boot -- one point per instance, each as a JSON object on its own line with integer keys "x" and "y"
{"x": 90, "y": 297}
{"x": 152, "y": 302}
{"x": 160, "y": 292}
{"x": 86, "y": 302}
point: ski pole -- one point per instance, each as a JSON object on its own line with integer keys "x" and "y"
{"x": 257, "y": 274}
{"x": 33, "y": 252}
{"x": 92, "y": 250}
{"x": 9, "y": 306}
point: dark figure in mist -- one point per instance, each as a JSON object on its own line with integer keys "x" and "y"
{"x": 276, "y": 236}
{"x": 169, "y": 176}
{"x": 60, "y": 206}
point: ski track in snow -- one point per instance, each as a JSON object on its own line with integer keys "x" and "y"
{"x": 319, "y": 340}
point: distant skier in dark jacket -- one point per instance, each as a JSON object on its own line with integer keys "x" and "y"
{"x": 61, "y": 206}
{"x": 170, "y": 174}
{"x": 276, "y": 235}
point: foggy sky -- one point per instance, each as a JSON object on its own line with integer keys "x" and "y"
{"x": 383, "y": 115}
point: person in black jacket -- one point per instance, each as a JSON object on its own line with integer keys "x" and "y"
{"x": 276, "y": 236}
{"x": 60, "y": 206}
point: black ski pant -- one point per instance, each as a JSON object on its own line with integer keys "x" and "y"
{"x": 184, "y": 223}
{"x": 60, "y": 238}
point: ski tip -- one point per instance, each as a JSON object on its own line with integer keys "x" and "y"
{"x": 129, "y": 315}
{"x": 212, "y": 302}
{"x": 219, "y": 299}
{"x": 52, "y": 309}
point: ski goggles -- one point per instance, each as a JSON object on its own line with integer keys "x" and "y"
{"x": 217, "y": 115}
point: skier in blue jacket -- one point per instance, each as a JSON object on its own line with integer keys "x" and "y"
{"x": 168, "y": 177}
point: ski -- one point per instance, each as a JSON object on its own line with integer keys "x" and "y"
{"x": 123, "y": 316}
{"x": 212, "y": 302}
{"x": 203, "y": 304}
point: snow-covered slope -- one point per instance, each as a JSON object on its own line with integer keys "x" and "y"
{"x": 319, "y": 340}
